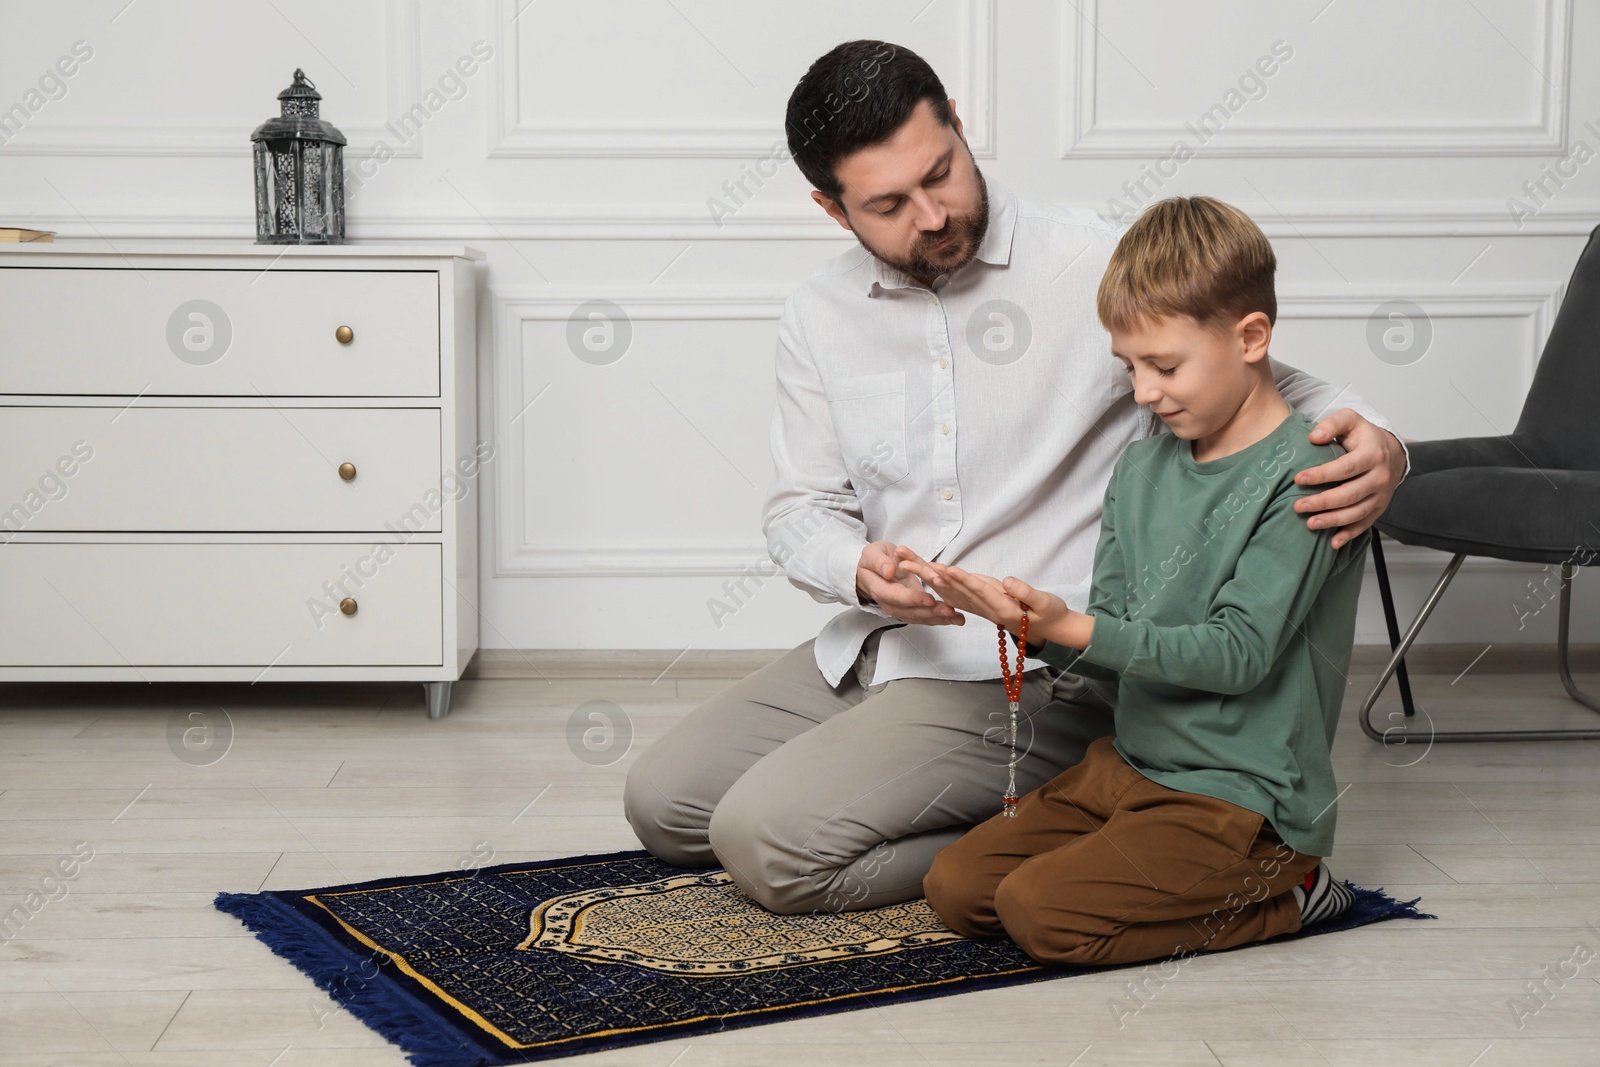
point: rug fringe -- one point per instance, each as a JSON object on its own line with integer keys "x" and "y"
{"x": 1373, "y": 904}
{"x": 426, "y": 1040}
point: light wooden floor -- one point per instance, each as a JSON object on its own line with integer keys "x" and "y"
{"x": 326, "y": 784}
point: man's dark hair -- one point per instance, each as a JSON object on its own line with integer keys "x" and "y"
{"x": 857, "y": 95}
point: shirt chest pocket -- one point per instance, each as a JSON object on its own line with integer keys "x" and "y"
{"x": 869, "y": 417}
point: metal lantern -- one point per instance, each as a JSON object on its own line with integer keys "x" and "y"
{"x": 299, "y": 172}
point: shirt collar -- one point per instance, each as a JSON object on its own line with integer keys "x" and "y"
{"x": 994, "y": 249}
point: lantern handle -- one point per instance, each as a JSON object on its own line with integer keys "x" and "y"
{"x": 301, "y": 79}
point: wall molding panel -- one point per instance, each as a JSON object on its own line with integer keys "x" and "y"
{"x": 1535, "y": 304}
{"x": 1085, "y": 135}
{"x": 402, "y": 44}
{"x": 517, "y": 552}
{"x": 512, "y": 136}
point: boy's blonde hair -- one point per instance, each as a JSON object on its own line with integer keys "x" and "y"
{"x": 1189, "y": 255}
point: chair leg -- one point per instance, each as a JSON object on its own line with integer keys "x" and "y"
{"x": 1399, "y": 654}
{"x": 1562, "y": 666}
{"x": 1389, "y": 620}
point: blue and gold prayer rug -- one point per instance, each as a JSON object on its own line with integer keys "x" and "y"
{"x": 530, "y": 961}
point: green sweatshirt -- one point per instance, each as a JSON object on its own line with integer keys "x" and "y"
{"x": 1228, "y": 625}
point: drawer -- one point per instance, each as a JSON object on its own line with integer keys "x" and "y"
{"x": 158, "y": 605}
{"x": 218, "y": 469}
{"x": 218, "y": 332}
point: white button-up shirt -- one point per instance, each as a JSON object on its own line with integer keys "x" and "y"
{"x": 976, "y": 422}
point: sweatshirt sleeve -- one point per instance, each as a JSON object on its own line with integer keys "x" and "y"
{"x": 1107, "y": 593}
{"x": 1253, "y": 616}
{"x": 1314, "y": 398}
{"x": 812, "y": 518}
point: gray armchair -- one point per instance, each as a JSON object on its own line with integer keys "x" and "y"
{"x": 1531, "y": 496}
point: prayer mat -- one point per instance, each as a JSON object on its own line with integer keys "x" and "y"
{"x": 531, "y": 961}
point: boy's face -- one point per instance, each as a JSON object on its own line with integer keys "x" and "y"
{"x": 1195, "y": 378}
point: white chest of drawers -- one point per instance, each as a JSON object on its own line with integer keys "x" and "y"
{"x": 239, "y": 463}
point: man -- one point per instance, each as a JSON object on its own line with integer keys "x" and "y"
{"x": 945, "y": 393}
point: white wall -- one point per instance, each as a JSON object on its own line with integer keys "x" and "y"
{"x": 1380, "y": 155}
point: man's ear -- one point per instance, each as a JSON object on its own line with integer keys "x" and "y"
{"x": 831, "y": 206}
{"x": 1254, "y": 332}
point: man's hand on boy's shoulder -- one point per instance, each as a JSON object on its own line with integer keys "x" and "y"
{"x": 1366, "y": 476}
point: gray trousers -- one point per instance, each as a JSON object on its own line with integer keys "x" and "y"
{"x": 817, "y": 798}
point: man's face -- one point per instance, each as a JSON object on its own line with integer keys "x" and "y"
{"x": 917, "y": 201}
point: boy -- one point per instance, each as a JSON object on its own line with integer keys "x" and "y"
{"x": 1228, "y": 625}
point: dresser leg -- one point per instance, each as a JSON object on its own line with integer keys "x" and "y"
{"x": 437, "y": 697}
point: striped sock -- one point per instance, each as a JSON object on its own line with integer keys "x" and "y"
{"x": 1321, "y": 896}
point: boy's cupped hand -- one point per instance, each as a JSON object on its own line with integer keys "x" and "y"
{"x": 998, "y": 600}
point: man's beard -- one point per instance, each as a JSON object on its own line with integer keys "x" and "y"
{"x": 925, "y": 262}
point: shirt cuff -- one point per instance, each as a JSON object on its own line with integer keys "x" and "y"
{"x": 842, "y": 562}
{"x": 1059, "y": 656}
{"x": 1112, "y": 645}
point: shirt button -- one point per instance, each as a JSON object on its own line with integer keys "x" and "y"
{"x": 944, "y": 427}
{"x": 947, "y": 494}
{"x": 943, "y": 363}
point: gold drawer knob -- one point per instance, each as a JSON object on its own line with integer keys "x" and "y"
{"x": 348, "y": 605}
{"x": 345, "y": 335}
{"x": 347, "y": 471}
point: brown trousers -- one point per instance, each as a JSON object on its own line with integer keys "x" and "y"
{"x": 1101, "y": 865}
